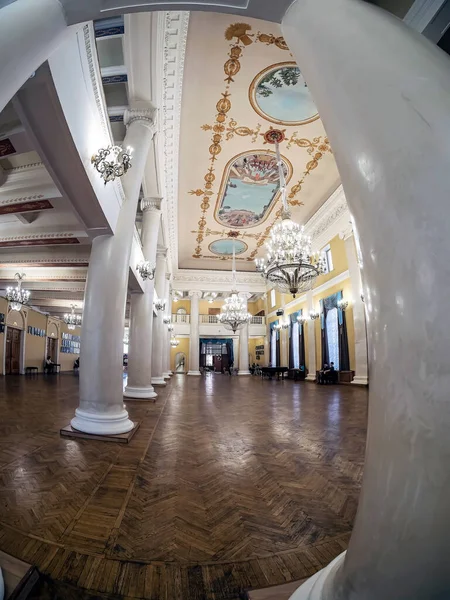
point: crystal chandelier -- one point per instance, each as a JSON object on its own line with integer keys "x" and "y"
{"x": 116, "y": 166}
{"x": 234, "y": 313}
{"x": 17, "y": 296}
{"x": 72, "y": 320}
{"x": 174, "y": 342}
{"x": 313, "y": 315}
{"x": 146, "y": 270}
{"x": 290, "y": 267}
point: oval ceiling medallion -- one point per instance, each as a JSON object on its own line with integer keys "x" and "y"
{"x": 279, "y": 94}
{"x": 249, "y": 189}
{"x": 225, "y": 247}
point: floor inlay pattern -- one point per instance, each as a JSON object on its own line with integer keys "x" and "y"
{"x": 229, "y": 484}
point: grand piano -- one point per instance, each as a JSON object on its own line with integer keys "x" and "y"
{"x": 269, "y": 372}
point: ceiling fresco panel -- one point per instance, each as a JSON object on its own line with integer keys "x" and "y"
{"x": 241, "y": 88}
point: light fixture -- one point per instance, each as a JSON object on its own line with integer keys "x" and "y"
{"x": 170, "y": 327}
{"x": 118, "y": 164}
{"x": 342, "y": 304}
{"x": 160, "y": 304}
{"x": 277, "y": 327}
{"x": 313, "y": 315}
{"x": 210, "y": 296}
{"x": 72, "y": 320}
{"x": 166, "y": 319}
{"x": 290, "y": 266}
{"x": 302, "y": 319}
{"x": 285, "y": 324}
{"x": 174, "y": 342}
{"x": 17, "y": 296}
{"x": 234, "y": 314}
{"x": 146, "y": 270}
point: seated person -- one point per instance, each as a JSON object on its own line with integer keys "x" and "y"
{"x": 48, "y": 367}
{"x": 322, "y": 373}
{"x": 76, "y": 364}
{"x": 331, "y": 374}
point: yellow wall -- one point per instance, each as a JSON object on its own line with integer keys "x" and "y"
{"x": 4, "y": 310}
{"x": 183, "y": 346}
{"x": 340, "y": 263}
{"x": 35, "y": 346}
{"x": 185, "y": 303}
{"x": 252, "y": 343}
{"x": 66, "y": 360}
{"x": 255, "y": 307}
{"x": 204, "y": 306}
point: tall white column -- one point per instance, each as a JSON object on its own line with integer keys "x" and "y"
{"x": 169, "y": 334}
{"x": 359, "y": 317}
{"x": 158, "y": 325}
{"x": 266, "y": 360}
{"x": 166, "y": 332}
{"x": 284, "y": 339}
{"x": 139, "y": 385}
{"x": 311, "y": 340}
{"x": 194, "y": 345}
{"x": 243, "y": 343}
{"x": 30, "y": 32}
{"x": 101, "y": 409}
{"x": 383, "y": 93}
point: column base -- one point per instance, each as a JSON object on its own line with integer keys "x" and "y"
{"x": 102, "y": 423}
{"x": 166, "y": 375}
{"x": 140, "y": 393}
{"x": 310, "y": 377}
{"x": 360, "y": 380}
{"x": 243, "y": 372}
{"x": 158, "y": 381}
{"x": 194, "y": 373}
{"x": 319, "y": 584}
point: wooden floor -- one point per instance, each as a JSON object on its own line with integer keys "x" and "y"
{"x": 231, "y": 483}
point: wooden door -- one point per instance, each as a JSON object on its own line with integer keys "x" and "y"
{"x": 51, "y": 348}
{"x": 213, "y": 311}
{"x": 12, "y": 355}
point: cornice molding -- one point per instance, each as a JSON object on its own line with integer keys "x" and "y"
{"x": 187, "y": 276}
{"x": 38, "y": 236}
{"x": 329, "y": 220}
{"x": 175, "y": 29}
{"x": 146, "y": 116}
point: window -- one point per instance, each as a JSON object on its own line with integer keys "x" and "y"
{"x": 333, "y": 337}
{"x": 273, "y": 348}
{"x": 328, "y": 259}
{"x": 295, "y": 345}
{"x": 209, "y": 360}
{"x": 272, "y": 298}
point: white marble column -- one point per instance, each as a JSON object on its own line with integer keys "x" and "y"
{"x": 311, "y": 350}
{"x": 284, "y": 338}
{"x": 139, "y": 385}
{"x": 169, "y": 334}
{"x": 383, "y": 93}
{"x": 166, "y": 332}
{"x": 359, "y": 317}
{"x": 243, "y": 343}
{"x": 266, "y": 360}
{"x": 101, "y": 409}
{"x": 30, "y": 31}
{"x": 194, "y": 344}
{"x": 158, "y": 325}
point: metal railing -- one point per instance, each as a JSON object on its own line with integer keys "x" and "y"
{"x": 180, "y": 318}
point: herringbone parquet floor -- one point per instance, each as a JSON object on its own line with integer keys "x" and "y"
{"x": 229, "y": 484}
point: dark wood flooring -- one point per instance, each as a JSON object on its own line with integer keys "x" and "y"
{"x": 229, "y": 484}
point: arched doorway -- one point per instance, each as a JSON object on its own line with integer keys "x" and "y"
{"x": 180, "y": 362}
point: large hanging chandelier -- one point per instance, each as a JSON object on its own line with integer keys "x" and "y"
{"x": 17, "y": 297}
{"x": 71, "y": 319}
{"x": 234, "y": 313}
{"x": 290, "y": 266}
{"x": 118, "y": 164}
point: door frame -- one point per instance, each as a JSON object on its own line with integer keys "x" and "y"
{"x": 21, "y": 350}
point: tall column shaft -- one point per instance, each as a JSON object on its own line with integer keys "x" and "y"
{"x": 194, "y": 345}
{"x": 30, "y": 32}
{"x": 243, "y": 344}
{"x": 383, "y": 93}
{"x": 359, "y": 317}
{"x": 166, "y": 332}
{"x": 311, "y": 350}
{"x": 101, "y": 408}
{"x": 158, "y": 325}
{"x": 266, "y": 360}
{"x": 284, "y": 340}
{"x": 139, "y": 385}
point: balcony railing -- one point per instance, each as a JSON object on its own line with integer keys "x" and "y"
{"x": 258, "y": 321}
{"x": 180, "y": 318}
{"x": 209, "y": 319}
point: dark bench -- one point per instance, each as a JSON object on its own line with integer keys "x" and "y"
{"x": 30, "y": 370}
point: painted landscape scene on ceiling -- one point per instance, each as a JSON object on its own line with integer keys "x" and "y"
{"x": 249, "y": 189}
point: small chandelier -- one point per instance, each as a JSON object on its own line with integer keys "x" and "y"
{"x": 342, "y": 304}
{"x": 145, "y": 269}
{"x": 160, "y": 304}
{"x": 17, "y": 296}
{"x": 118, "y": 165}
{"x": 234, "y": 313}
{"x": 290, "y": 267}
{"x": 166, "y": 319}
{"x": 174, "y": 342}
{"x": 170, "y": 327}
{"x": 313, "y": 315}
{"x": 72, "y": 320}
{"x": 302, "y": 319}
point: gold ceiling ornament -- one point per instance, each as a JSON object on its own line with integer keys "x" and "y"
{"x": 241, "y": 130}
{"x": 269, "y": 39}
{"x": 239, "y": 31}
{"x": 200, "y": 193}
{"x": 226, "y": 234}
{"x": 322, "y": 147}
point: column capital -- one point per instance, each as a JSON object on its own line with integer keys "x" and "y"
{"x": 195, "y": 294}
{"x": 346, "y": 233}
{"x": 151, "y": 203}
{"x": 146, "y": 115}
{"x": 161, "y": 252}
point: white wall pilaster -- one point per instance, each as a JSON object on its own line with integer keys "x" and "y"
{"x": 194, "y": 346}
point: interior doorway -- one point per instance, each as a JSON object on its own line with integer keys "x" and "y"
{"x": 52, "y": 349}
{"x": 180, "y": 362}
{"x": 12, "y": 351}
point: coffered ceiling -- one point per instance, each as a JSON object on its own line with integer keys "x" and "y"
{"x": 240, "y": 84}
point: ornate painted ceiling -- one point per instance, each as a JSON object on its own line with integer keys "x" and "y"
{"x": 240, "y": 82}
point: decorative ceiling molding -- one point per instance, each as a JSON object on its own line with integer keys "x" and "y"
{"x": 174, "y": 39}
{"x": 22, "y": 207}
{"x": 329, "y": 220}
{"x": 217, "y": 281}
{"x": 35, "y": 165}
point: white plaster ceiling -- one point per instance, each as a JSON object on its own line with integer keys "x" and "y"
{"x": 226, "y": 109}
